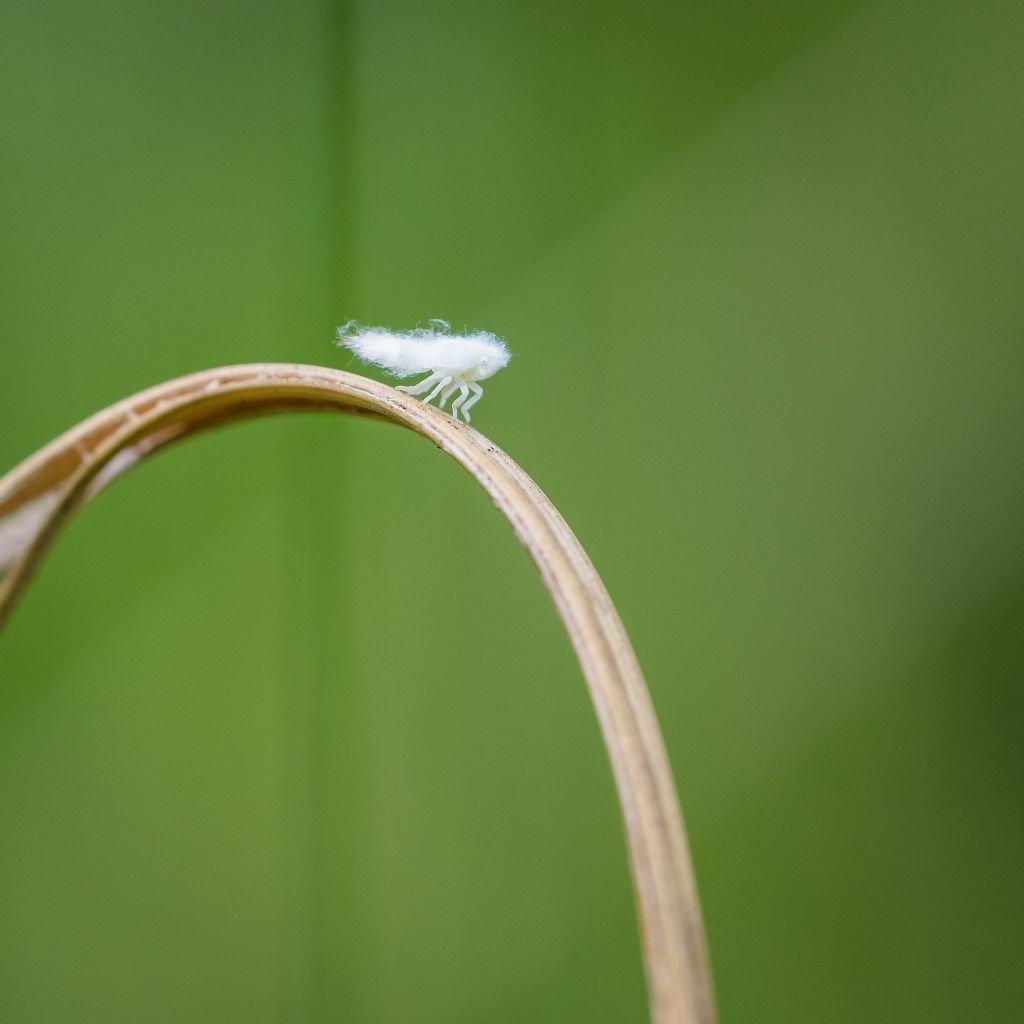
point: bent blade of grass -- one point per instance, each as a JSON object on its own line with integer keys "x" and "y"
{"x": 38, "y": 497}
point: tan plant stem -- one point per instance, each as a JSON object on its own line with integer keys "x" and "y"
{"x": 40, "y": 495}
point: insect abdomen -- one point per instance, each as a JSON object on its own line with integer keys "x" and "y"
{"x": 395, "y": 353}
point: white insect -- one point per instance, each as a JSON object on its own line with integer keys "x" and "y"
{"x": 455, "y": 362}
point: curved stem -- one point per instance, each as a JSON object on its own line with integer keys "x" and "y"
{"x": 42, "y": 493}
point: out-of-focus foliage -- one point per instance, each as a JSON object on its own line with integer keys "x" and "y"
{"x": 782, "y": 240}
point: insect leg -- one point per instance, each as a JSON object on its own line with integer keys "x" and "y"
{"x": 478, "y": 393}
{"x": 464, "y": 388}
{"x": 445, "y": 381}
{"x": 446, "y": 394}
{"x": 418, "y": 389}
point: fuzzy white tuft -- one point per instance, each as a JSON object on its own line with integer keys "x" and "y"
{"x": 404, "y": 353}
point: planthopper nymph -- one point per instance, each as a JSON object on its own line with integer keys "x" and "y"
{"x": 453, "y": 362}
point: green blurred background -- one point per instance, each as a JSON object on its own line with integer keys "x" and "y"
{"x": 289, "y": 731}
